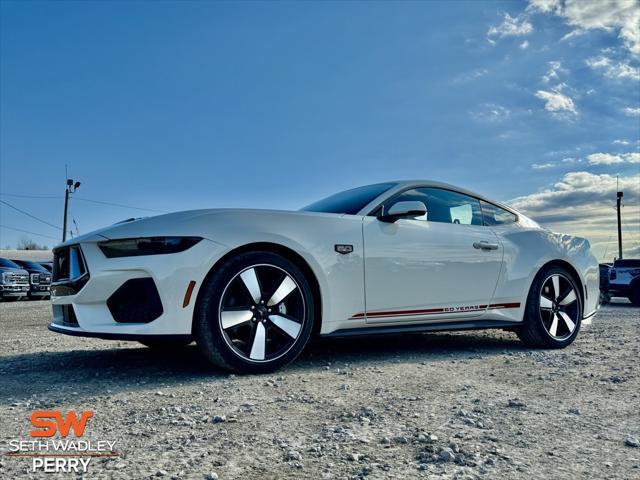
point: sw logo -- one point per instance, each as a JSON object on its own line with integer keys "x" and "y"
{"x": 60, "y": 454}
{"x": 48, "y": 422}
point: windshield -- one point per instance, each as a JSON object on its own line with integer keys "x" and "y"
{"x": 349, "y": 201}
{"x": 30, "y": 265}
{"x": 8, "y": 264}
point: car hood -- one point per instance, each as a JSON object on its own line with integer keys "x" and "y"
{"x": 189, "y": 223}
{"x": 14, "y": 270}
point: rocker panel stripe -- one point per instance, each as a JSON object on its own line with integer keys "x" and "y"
{"x": 432, "y": 311}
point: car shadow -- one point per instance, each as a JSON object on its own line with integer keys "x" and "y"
{"x": 95, "y": 372}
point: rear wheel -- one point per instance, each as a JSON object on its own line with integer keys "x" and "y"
{"x": 255, "y": 314}
{"x": 553, "y": 313}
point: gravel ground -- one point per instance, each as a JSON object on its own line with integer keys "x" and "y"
{"x": 445, "y": 405}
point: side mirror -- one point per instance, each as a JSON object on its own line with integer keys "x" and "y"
{"x": 400, "y": 210}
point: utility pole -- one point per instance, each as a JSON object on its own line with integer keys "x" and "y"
{"x": 70, "y": 188}
{"x": 619, "y": 199}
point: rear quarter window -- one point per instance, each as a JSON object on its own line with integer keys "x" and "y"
{"x": 494, "y": 215}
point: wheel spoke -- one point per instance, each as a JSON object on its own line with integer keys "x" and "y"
{"x": 554, "y": 326}
{"x": 290, "y": 327}
{"x": 545, "y": 302}
{"x": 556, "y": 286}
{"x": 286, "y": 287}
{"x": 570, "y": 324}
{"x": 250, "y": 280}
{"x": 232, "y": 318}
{"x": 259, "y": 343}
{"x": 569, "y": 298}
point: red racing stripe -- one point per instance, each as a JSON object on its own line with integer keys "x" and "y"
{"x": 431, "y": 311}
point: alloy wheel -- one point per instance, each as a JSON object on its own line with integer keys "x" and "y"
{"x": 261, "y": 313}
{"x": 559, "y": 306}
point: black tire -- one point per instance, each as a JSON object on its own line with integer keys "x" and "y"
{"x": 535, "y": 329}
{"x": 166, "y": 344}
{"x": 216, "y": 342}
{"x": 634, "y": 297}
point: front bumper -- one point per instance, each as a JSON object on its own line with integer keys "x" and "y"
{"x": 113, "y": 301}
{"x": 39, "y": 290}
{"x": 14, "y": 290}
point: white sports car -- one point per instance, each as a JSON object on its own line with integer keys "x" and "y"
{"x": 252, "y": 286}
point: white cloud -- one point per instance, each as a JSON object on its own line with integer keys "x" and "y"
{"x": 545, "y": 6}
{"x": 543, "y": 166}
{"x": 611, "y": 159}
{"x": 582, "y": 203}
{"x": 470, "y": 76}
{"x": 524, "y": 45}
{"x": 622, "y": 141}
{"x": 510, "y": 27}
{"x": 611, "y": 69}
{"x": 631, "y": 111}
{"x": 579, "y": 188}
{"x": 555, "y": 68}
{"x": 571, "y": 160}
{"x": 557, "y": 102}
{"x": 622, "y": 16}
{"x": 572, "y": 34}
{"x": 491, "y": 113}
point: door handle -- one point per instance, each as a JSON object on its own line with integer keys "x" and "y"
{"x": 483, "y": 245}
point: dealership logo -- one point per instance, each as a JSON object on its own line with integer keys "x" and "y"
{"x": 46, "y": 427}
{"x": 57, "y": 444}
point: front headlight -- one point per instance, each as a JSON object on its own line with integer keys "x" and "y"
{"x": 132, "y": 247}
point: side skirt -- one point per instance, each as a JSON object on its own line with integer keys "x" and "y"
{"x": 431, "y": 327}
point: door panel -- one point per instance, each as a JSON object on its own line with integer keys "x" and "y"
{"x": 418, "y": 270}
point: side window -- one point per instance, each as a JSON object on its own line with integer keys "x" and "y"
{"x": 443, "y": 206}
{"x": 493, "y": 215}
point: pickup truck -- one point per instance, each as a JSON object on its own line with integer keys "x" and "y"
{"x": 14, "y": 281}
{"x": 624, "y": 280}
{"x": 39, "y": 278}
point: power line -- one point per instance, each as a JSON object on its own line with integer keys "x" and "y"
{"x": 27, "y": 231}
{"x": 81, "y": 199}
{"x": 28, "y": 196}
{"x": 29, "y": 215}
{"x": 117, "y": 205}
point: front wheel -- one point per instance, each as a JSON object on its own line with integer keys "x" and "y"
{"x": 255, "y": 313}
{"x": 553, "y": 313}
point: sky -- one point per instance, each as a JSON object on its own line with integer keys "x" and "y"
{"x": 167, "y": 106}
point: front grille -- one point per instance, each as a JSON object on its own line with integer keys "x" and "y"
{"x": 68, "y": 263}
{"x": 70, "y": 271}
{"x": 16, "y": 278}
{"x": 136, "y": 301}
